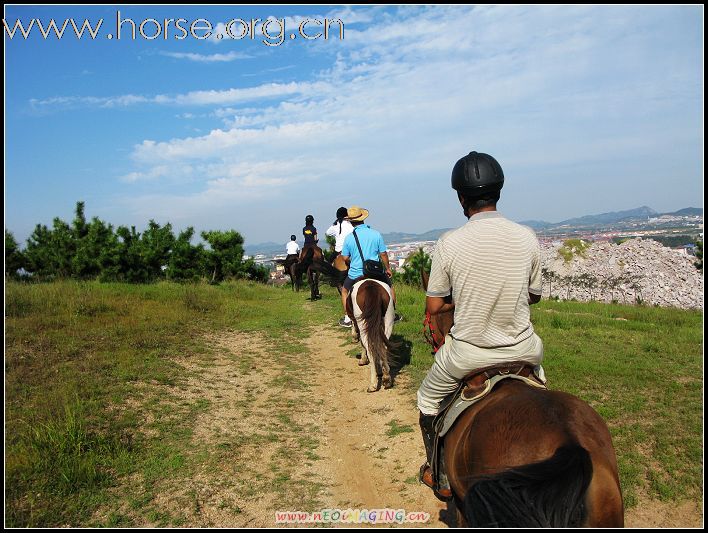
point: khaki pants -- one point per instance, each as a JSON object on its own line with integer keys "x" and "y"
{"x": 455, "y": 359}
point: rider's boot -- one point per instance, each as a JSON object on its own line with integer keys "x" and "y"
{"x": 442, "y": 487}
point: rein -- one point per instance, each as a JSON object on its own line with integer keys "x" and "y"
{"x": 429, "y": 333}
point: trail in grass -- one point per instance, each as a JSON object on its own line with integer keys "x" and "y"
{"x": 371, "y": 446}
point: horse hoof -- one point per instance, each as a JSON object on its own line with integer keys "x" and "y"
{"x": 364, "y": 362}
{"x": 372, "y": 390}
{"x": 387, "y": 383}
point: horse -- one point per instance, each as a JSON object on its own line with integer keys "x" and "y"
{"x": 296, "y": 266}
{"x": 531, "y": 457}
{"x": 307, "y": 257}
{"x": 370, "y": 307}
{"x": 290, "y": 264}
{"x": 335, "y": 272}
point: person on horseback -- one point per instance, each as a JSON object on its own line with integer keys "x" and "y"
{"x": 339, "y": 229}
{"x": 370, "y": 247}
{"x": 310, "y": 234}
{"x": 492, "y": 268}
{"x": 292, "y": 248}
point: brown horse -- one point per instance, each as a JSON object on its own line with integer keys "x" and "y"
{"x": 334, "y": 272}
{"x": 290, "y": 264}
{"x": 530, "y": 457}
{"x": 370, "y": 307}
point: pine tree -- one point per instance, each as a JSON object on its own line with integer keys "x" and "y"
{"x": 14, "y": 259}
{"x": 224, "y": 259}
{"x": 186, "y": 262}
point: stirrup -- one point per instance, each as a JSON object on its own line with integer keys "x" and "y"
{"x": 425, "y": 476}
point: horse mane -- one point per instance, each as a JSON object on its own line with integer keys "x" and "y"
{"x": 548, "y": 493}
{"x": 373, "y": 313}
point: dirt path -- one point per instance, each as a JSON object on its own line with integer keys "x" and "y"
{"x": 289, "y": 426}
{"x": 372, "y": 448}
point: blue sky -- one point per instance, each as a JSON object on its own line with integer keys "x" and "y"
{"x": 588, "y": 110}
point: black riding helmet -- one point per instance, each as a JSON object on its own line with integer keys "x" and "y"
{"x": 309, "y": 219}
{"x": 293, "y": 238}
{"x": 477, "y": 174}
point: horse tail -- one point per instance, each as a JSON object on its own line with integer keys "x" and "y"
{"x": 549, "y": 493}
{"x": 333, "y": 276}
{"x": 373, "y": 314}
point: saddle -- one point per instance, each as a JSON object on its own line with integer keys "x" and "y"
{"x": 474, "y": 387}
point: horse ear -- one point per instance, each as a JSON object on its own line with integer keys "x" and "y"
{"x": 424, "y": 276}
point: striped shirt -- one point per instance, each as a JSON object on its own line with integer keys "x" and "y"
{"x": 490, "y": 265}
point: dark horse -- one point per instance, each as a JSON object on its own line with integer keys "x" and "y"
{"x": 296, "y": 266}
{"x": 530, "y": 457}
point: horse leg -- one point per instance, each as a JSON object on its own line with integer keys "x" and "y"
{"x": 373, "y": 374}
{"x": 364, "y": 360}
{"x": 604, "y": 499}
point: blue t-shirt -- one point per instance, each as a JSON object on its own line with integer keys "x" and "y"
{"x": 372, "y": 244}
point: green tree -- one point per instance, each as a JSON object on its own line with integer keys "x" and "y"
{"x": 49, "y": 253}
{"x": 14, "y": 259}
{"x": 131, "y": 267}
{"x": 224, "y": 259}
{"x": 96, "y": 239}
{"x": 699, "y": 256}
{"x": 412, "y": 268}
{"x": 186, "y": 262}
{"x": 155, "y": 245}
{"x": 250, "y": 270}
{"x": 329, "y": 252}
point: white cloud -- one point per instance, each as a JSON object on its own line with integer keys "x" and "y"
{"x": 208, "y": 58}
{"x": 405, "y": 95}
{"x": 193, "y": 98}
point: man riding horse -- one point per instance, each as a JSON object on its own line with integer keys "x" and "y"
{"x": 492, "y": 268}
{"x": 362, "y": 246}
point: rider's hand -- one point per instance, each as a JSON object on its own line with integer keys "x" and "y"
{"x": 389, "y": 273}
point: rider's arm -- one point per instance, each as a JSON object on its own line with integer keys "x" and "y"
{"x": 435, "y": 305}
{"x": 384, "y": 259}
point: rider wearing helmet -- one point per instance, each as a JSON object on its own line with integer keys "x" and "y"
{"x": 310, "y": 234}
{"x": 492, "y": 268}
{"x": 292, "y": 247}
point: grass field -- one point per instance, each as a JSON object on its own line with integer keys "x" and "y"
{"x": 83, "y": 362}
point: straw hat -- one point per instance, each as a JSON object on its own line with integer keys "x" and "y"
{"x": 357, "y": 214}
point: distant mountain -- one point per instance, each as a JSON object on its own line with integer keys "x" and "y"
{"x": 398, "y": 238}
{"x": 609, "y": 218}
{"x": 266, "y": 248}
{"x": 687, "y": 212}
{"x": 537, "y": 224}
{"x": 644, "y": 212}
{"x": 591, "y": 220}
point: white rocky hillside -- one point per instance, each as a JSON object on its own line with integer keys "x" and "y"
{"x": 635, "y": 271}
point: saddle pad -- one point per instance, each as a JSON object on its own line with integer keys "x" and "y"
{"x": 461, "y": 403}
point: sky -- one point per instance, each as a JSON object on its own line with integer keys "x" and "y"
{"x": 588, "y": 109}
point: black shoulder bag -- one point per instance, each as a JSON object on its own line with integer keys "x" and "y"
{"x": 372, "y": 269}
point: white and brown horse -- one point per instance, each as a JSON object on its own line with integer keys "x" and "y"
{"x": 370, "y": 306}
